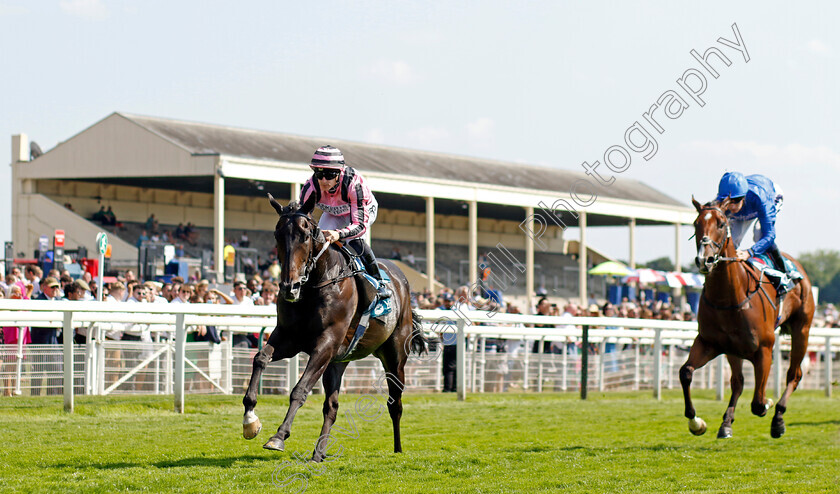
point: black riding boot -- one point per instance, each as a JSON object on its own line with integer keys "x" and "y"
{"x": 778, "y": 258}
{"x": 369, "y": 260}
{"x": 780, "y": 261}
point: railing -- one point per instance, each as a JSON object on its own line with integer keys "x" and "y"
{"x": 168, "y": 353}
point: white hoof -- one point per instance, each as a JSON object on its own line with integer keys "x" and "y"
{"x": 251, "y": 425}
{"x": 697, "y": 426}
{"x": 769, "y": 404}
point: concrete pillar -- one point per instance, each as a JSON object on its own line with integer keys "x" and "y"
{"x": 677, "y": 241}
{"x": 529, "y": 258}
{"x": 295, "y": 196}
{"x": 473, "y": 243}
{"x": 582, "y": 262}
{"x": 677, "y": 292}
{"x": 20, "y": 148}
{"x": 632, "y": 243}
{"x": 219, "y": 224}
{"x": 430, "y": 242}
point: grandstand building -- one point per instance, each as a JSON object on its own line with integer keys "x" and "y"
{"x": 446, "y": 209}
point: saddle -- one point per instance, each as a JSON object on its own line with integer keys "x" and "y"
{"x": 782, "y": 282}
{"x": 368, "y": 287}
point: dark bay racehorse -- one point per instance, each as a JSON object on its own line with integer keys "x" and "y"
{"x": 738, "y": 313}
{"x": 319, "y": 304}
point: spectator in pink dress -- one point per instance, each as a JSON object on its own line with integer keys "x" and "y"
{"x": 10, "y": 339}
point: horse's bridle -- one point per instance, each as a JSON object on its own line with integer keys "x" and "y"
{"x": 316, "y": 236}
{"x": 716, "y": 258}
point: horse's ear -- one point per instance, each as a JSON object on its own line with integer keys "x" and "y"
{"x": 276, "y": 205}
{"x": 697, "y": 205}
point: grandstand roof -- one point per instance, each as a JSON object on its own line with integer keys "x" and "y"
{"x": 207, "y": 139}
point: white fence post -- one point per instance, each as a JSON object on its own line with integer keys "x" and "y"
{"x": 540, "y": 365}
{"x": 461, "y": 362}
{"x": 180, "y": 355}
{"x": 19, "y": 365}
{"x": 720, "y": 379}
{"x": 67, "y": 331}
{"x": 657, "y": 365}
{"x": 602, "y": 348}
{"x": 777, "y": 360}
{"x": 637, "y": 366}
{"x": 100, "y": 360}
{"x": 828, "y": 366}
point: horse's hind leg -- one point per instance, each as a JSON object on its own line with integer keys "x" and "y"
{"x": 332, "y": 383}
{"x": 700, "y": 354}
{"x": 799, "y": 346}
{"x": 737, "y": 385}
{"x": 393, "y": 360}
{"x": 318, "y": 362}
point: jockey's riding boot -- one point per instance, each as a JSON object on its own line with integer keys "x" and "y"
{"x": 373, "y": 270}
{"x": 785, "y": 283}
{"x": 778, "y": 259}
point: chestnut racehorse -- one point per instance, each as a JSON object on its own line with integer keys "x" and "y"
{"x": 739, "y": 311}
{"x": 320, "y": 300}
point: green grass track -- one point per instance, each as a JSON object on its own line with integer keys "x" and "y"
{"x": 614, "y": 442}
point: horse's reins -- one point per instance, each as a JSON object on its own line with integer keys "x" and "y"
{"x": 717, "y": 258}
{"x": 312, "y": 260}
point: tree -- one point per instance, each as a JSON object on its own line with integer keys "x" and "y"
{"x": 830, "y": 292}
{"x": 661, "y": 264}
{"x": 822, "y": 266}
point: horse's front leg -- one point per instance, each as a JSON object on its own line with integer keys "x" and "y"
{"x": 318, "y": 362}
{"x": 251, "y": 424}
{"x": 700, "y": 354}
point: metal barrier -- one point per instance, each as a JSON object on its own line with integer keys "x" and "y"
{"x": 653, "y": 351}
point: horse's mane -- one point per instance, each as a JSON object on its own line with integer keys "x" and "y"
{"x": 292, "y": 208}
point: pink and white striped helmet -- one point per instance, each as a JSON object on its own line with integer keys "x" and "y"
{"x": 327, "y": 157}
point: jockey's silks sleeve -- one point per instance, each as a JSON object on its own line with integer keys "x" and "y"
{"x": 358, "y": 214}
{"x": 760, "y": 204}
{"x": 308, "y": 196}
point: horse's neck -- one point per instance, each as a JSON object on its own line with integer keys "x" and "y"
{"x": 327, "y": 263}
{"x": 727, "y": 282}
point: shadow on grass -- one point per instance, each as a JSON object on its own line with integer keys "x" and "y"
{"x": 199, "y": 461}
{"x": 813, "y": 424}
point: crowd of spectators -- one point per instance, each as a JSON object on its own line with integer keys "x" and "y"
{"x": 31, "y": 284}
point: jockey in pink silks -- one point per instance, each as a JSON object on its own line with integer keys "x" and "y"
{"x": 348, "y": 205}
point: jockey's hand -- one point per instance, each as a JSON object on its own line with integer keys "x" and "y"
{"x": 742, "y": 255}
{"x": 330, "y": 235}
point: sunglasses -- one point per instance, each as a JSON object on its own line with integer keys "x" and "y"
{"x": 328, "y": 174}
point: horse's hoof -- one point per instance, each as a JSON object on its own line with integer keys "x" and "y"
{"x": 724, "y": 433}
{"x": 276, "y": 444}
{"x": 777, "y": 428}
{"x": 250, "y": 431}
{"x": 697, "y": 426}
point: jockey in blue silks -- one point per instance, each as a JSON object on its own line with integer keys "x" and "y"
{"x": 754, "y": 197}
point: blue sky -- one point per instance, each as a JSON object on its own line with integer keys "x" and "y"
{"x": 549, "y": 83}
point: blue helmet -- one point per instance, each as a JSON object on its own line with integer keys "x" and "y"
{"x": 732, "y": 184}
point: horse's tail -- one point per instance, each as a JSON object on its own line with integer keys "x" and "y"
{"x": 419, "y": 343}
